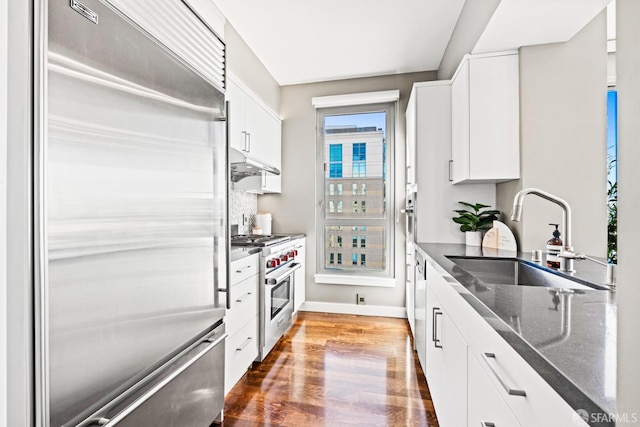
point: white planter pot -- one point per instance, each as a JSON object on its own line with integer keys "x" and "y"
{"x": 473, "y": 238}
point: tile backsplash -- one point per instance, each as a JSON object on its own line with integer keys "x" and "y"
{"x": 242, "y": 203}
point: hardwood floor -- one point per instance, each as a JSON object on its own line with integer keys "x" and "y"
{"x": 335, "y": 370}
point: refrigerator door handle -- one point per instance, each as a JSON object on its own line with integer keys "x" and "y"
{"x": 155, "y": 389}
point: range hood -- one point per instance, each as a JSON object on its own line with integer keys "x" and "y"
{"x": 242, "y": 166}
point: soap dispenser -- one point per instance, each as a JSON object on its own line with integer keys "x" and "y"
{"x": 554, "y": 247}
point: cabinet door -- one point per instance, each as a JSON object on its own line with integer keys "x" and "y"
{"x": 460, "y": 125}
{"x": 485, "y": 405}
{"x": 494, "y": 131}
{"x": 237, "y": 100}
{"x": 410, "y": 286}
{"x": 411, "y": 138}
{"x": 299, "y": 293}
{"x": 272, "y": 152}
{"x": 421, "y": 316}
{"x": 446, "y": 365}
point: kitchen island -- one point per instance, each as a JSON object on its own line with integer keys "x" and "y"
{"x": 568, "y": 336}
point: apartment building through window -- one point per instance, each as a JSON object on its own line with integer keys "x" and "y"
{"x": 354, "y": 146}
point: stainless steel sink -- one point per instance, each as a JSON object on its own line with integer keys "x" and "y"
{"x": 516, "y": 272}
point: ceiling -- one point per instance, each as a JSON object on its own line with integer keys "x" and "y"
{"x": 302, "y": 41}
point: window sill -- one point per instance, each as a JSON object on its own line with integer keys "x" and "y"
{"x": 336, "y": 279}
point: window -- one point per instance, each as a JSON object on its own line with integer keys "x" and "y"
{"x": 359, "y": 160}
{"x": 355, "y": 170}
{"x": 335, "y": 161}
{"x": 331, "y": 258}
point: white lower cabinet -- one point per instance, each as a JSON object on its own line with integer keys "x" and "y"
{"x": 485, "y": 406}
{"x": 242, "y": 320}
{"x": 446, "y": 364}
{"x": 241, "y": 351}
{"x": 475, "y": 376}
{"x": 299, "y": 278}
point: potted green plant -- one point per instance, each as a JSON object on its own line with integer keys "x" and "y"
{"x": 475, "y": 220}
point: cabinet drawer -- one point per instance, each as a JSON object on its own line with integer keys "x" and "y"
{"x": 486, "y": 406}
{"x": 243, "y": 268}
{"x": 241, "y": 351}
{"x": 244, "y": 304}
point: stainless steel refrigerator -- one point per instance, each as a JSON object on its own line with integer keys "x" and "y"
{"x": 131, "y": 231}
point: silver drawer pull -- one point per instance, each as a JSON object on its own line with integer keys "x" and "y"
{"x": 490, "y": 360}
{"x": 486, "y": 424}
{"x": 244, "y": 344}
{"x": 246, "y": 267}
{"x": 243, "y": 297}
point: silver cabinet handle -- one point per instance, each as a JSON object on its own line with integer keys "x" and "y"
{"x": 280, "y": 322}
{"x": 246, "y": 267}
{"x": 248, "y": 142}
{"x": 243, "y": 297}
{"x": 264, "y": 179}
{"x": 490, "y": 360}
{"x": 436, "y": 340}
{"x": 486, "y": 424}
{"x": 450, "y": 167}
{"x": 244, "y": 344}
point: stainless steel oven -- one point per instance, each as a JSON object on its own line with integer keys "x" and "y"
{"x": 410, "y": 212}
{"x": 278, "y": 305}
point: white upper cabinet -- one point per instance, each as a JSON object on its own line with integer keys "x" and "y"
{"x": 257, "y": 132}
{"x": 485, "y": 105}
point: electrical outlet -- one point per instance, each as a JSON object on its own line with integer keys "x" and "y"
{"x": 360, "y": 299}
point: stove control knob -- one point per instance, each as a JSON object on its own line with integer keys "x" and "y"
{"x": 277, "y": 261}
{"x": 292, "y": 254}
{"x": 284, "y": 258}
{"x": 296, "y": 252}
{"x": 271, "y": 263}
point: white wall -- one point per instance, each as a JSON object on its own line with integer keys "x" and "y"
{"x": 294, "y": 210}
{"x": 246, "y": 66}
{"x": 628, "y": 295}
{"x": 4, "y": 55}
{"x": 563, "y": 90}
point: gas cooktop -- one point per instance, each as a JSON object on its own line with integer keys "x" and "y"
{"x": 257, "y": 240}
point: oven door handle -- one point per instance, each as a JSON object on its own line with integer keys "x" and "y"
{"x": 287, "y": 271}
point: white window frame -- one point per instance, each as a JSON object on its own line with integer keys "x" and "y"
{"x": 350, "y": 104}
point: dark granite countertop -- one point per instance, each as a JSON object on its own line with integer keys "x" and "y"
{"x": 579, "y": 362}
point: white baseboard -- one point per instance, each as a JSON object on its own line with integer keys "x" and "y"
{"x": 363, "y": 310}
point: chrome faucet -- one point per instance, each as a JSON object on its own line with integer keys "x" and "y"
{"x": 567, "y": 250}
